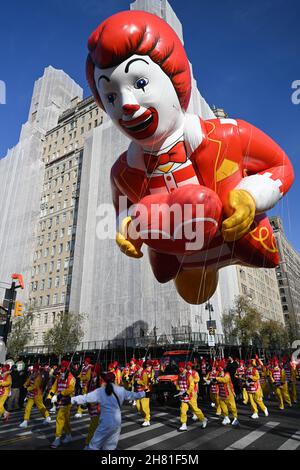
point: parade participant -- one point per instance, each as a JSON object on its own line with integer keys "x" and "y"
{"x": 118, "y": 373}
{"x": 16, "y": 384}
{"x": 278, "y": 380}
{"x": 156, "y": 369}
{"x": 111, "y": 398}
{"x": 54, "y": 371}
{"x": 5, "y": 387}
{"x": 61, "y": 393}
{"x": 35, "y": 396}
{"x": 194, "y": 374}
{"x": 125, "y": 377}
{"x": 132, "y": 368}
{"x": 84, "y": 377}
{"x": 231, "y": 367}
{"x": 214, "y": 388}
{"x": 226, "y": 393}
{"x": 203, "y": 367}
{"x": 264, "y": 377}
{"x": 132, "y": 371}
{"x": 196, "y": 379}
{"x": 23, "y": 375}
{"x": 93, "y": 408}
{"x": 142, "y": 384}
{"x": 188, "y": 397}
{"x": 45, "y": 373}
{"x": 291, "y": 377}
{"x": 254, "y": 390}
{"x": 112, "y": 368}
{"x": 203, "y": 370}
{"x": 240, "y": 375}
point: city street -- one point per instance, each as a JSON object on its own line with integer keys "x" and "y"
{"x": 279, "y": 431}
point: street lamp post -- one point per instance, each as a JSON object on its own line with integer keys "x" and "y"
{"x": 210, "y": 309}
{"x": 210, "y": 326}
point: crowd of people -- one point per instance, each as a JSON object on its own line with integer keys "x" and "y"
{"x": 226, "y": 383}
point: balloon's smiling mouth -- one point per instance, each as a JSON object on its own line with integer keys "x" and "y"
{"x": 143, "y": 126}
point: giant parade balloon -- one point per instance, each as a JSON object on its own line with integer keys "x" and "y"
{"x": 194, "y": 191}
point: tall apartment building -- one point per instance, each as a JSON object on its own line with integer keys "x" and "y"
{"x": 260, "y": 286}
{"x": 62, "y": 153}
{"x": 288, "y": 278}
{"x": 22, "y": 173}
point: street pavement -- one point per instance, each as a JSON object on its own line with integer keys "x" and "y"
{"x": 279, "y": 431}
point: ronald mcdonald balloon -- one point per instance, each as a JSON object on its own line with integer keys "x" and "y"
{"x": 196, "y": 191}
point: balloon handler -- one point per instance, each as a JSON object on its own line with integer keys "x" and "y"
{"x": 227, "y": 396}
{"x": 188, "y": 397}
{"x": 254, "y": 390}
{"x": 221, "y": 175}
{"x": 5, "y": 387}
{"x": 61, "y": 393}
{"x": 35, "y": 396}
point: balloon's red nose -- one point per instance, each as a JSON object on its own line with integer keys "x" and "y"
{"x": 130, "y": 109}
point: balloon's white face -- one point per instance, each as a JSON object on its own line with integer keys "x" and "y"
{"x": 140, "y": 99}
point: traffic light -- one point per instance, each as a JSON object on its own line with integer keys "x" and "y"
{"x": 18, "y": 309}
{"x": 19, "y": 277}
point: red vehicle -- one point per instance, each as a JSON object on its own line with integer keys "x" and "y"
{"x": 168, "y": 376}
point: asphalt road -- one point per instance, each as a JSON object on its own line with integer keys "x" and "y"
{"x": 279, "y": 431}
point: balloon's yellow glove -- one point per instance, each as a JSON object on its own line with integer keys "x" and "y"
{"x": 127, "y": 245}
{"x": 239, "y": 223}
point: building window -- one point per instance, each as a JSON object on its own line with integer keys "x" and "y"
{"x": 49, "y": 282}
{"x": 55, "y": 299}
{"x": 244, "y": 289}
{"x": 58, "y": 265}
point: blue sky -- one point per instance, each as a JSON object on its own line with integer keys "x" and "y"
{"x": 245, "y": 57}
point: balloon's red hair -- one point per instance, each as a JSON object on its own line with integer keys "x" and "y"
{"x": 137, "y": 32}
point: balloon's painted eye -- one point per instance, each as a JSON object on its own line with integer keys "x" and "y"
{"x": 141, "y": 83}
{"x": 111, "y": 98}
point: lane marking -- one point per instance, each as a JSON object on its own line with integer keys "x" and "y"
{"x": 252, "y": 436}
{"x": 193, "y": 445}
{"x": 291, "y": 444}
